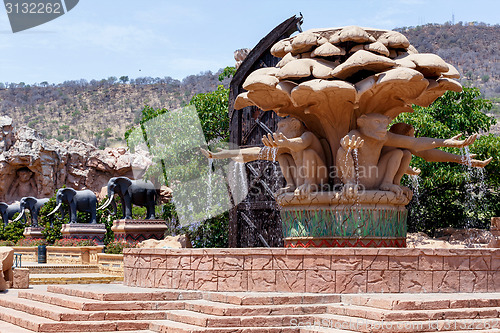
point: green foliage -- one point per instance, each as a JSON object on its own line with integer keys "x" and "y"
{"x": 209, "y": 233}
{"x": 7, "y": 243}
{"x": 449, "y": 193}
{"x": 52, "y": 225}
{"x": 116, "y": 247}
{"x": 227, "y": 73}
{"x": 31, "y": 242}
{"x": 13, "y": 231}
{"x": 176, "y": 147}
{"x": 213, "y": 114}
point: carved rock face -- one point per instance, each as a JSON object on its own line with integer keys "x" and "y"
{"x": 6, "y": 262}
{"x": 40, "y": 166}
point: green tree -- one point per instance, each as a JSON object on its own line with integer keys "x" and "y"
{"x": 211, "y": 110}
{"x": 451, "y": 194}
{"x": 124, "y": 79}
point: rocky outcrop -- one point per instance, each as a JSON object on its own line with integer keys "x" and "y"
{"x": 31, "y": 165}
{"x": 6, "y": 262}
{"x": 170, "y": 242}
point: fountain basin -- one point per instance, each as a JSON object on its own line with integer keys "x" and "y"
{"x": 327, "y": 270}
{"x": 330, "y": 219}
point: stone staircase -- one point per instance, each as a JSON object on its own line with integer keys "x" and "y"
{"x": 114, "y": 307}
{"x": 67, "y": 274}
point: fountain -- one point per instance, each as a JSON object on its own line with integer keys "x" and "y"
{"x": 339, "y": 89}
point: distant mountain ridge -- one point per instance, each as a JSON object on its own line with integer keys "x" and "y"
{"x": 474, "y": 49}
{"x": 99, "y": 112}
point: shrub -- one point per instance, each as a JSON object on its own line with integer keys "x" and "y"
{"x": 117, "y": 247}
{"x": 7, "y": 243}
{"x": 13, "y": 231}
{"x": 31, "y": 242}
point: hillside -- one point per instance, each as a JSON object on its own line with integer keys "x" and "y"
{"x": 472, "y": 48}
{"x": 97, "y": 112}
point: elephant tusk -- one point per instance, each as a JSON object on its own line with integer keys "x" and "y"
{"x": 106, "y": 204}
{"x": 20, "y": 216}
{"x": 55, "y": 209}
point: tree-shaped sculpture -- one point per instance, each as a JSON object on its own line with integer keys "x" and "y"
{"x": 329, "y": 77}
{"x": 345, "y": 85}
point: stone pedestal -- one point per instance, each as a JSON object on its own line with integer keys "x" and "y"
{"x": 33, "y": 233}
{"x": 329, "y": 219}
{"x": 21, "y": 278}
{"x": 96, "y": 232}
{"x": 138, "y": 230}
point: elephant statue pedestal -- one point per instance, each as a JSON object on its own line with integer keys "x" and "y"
{"x": 138, "y": 230}
{"x": 33, "y": 233}
{"x": 93, "y": 231}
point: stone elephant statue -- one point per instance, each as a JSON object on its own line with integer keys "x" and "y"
{"x": 83, "y": 201}
{"x": 137, "y": 192}
{"x": 8, "y": 211}
{"x": 33, "y": 205}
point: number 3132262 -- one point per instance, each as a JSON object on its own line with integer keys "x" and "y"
{"x": 33, "y": 8}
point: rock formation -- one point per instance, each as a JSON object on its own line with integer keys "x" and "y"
{"x": 31, "y": 165}
{"x": 170, "y": 242}
{"x": 6, "y": 262}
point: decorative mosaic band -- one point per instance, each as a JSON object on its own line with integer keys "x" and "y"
{"x": 356, "y": 223}
{"x": 98, "y": 238}
{"x": 308, "y": 242}
{"x": 131, "y": 238}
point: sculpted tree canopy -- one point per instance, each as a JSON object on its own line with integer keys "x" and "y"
{"x": 329, "y": 77}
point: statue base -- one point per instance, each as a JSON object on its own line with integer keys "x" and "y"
{"x": 138, "y": 230}
{"x": 329, "y": 219}
{"x": 95, "y": 232}
{"x": 33, "y": 233}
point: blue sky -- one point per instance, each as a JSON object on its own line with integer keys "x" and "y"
{"x": 102, "y": 38}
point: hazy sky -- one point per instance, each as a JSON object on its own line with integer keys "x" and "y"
{"x": 102, "y": 38}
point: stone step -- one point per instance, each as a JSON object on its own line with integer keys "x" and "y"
{"x": 412, "y": 315}
{"x": 41, "y": 324}
{"x": 84, "y": 304}
{"x": 226, "y": 309}
{"x": 368, "y": 325}
{"x": 36, "y": 268}
{"x": 270, "y": 298}
{"x": 118, "y": 292}
{"x": 333, "y": 330}
{"x": 423, "y": 301}
{"x": 6, "y": 327}
{"x": 169, "y": 326}
{"x": 84, "y": 278}
{"x": 59, "y": 313}
{"x": 205, "y": 320}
